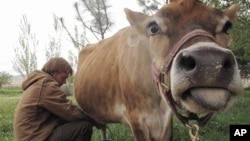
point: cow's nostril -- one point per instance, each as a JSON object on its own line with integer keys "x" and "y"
{"x": 227, "y": 64}
{"x": 188, "y": 63}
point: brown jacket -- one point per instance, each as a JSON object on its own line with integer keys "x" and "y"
{"x": 42, "y": 107}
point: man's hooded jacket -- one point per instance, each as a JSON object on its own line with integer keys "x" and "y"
{"x": 42, "y": 107}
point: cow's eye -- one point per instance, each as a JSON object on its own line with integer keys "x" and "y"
{"x": 153, "y": 28}
{"x": 227, "y": 26}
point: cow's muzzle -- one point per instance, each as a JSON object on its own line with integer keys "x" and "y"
{"x": 202, "y": 78}
{"x": 206, "y": 65}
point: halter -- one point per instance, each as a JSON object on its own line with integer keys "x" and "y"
{"x": 165, "y": 90}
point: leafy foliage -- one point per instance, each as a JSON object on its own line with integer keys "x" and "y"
{"x": 150, "y": 6}
{"x": 54, "y": 47}
{"x": 5, "y": 78}
{"x": 25, "y": 51}
{"x": 100, "y": 21}
{"x": 240, "y": 34}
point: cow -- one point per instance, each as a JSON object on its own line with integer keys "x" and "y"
{"x": 174, "y": 62}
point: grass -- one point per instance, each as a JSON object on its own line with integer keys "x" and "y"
{"x": 216, "y": 130}
{"x": 8, "y": 100}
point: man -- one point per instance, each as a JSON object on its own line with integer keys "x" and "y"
{"x": 44, "y": 113}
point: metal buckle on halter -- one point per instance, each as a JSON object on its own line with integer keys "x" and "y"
{"x": 194, "y": 132}
{"x": 162, "y": 74}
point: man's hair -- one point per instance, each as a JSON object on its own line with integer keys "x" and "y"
{"x": 57, "y": 65}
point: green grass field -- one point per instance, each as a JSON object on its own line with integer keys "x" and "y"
{"x": 216, "y": 130}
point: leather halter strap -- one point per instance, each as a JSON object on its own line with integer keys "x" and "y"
{"x": 165, "y": 90}
{"x": 181, "y": 42}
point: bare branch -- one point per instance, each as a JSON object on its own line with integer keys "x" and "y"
{"x": 71, "y": 37}
{"x": 89, "y": 28}
{"x": 106, "y": 17}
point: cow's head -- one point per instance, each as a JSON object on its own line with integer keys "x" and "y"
{"x": 204, "y": 75}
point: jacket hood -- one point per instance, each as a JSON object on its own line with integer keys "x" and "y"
{"x": 34, "y": 77}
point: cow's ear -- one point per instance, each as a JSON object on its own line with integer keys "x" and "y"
{"x": 231, "y": 12}
{"x": 134, "y": 17}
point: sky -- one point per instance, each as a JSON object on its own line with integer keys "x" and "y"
{"x": 40, "y": 15}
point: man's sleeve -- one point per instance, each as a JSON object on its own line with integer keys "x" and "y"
{"x": 56, "y": 102}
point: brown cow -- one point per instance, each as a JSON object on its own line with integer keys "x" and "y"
{"x": 175, "y": 59}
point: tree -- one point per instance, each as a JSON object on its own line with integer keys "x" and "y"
{"x": 99, "y": 22}
{"x": 98, "y": 25}
{"x": 98, "y": 11}
{"x": 5, "y": 78}
{"x": 54, "y": 48}
{"x": 150, "y": 6}
{"x": 78, "y": 41}
{"x": 25, "y": 51}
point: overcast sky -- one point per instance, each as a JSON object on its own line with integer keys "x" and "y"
{"x": 40, "y": 14}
